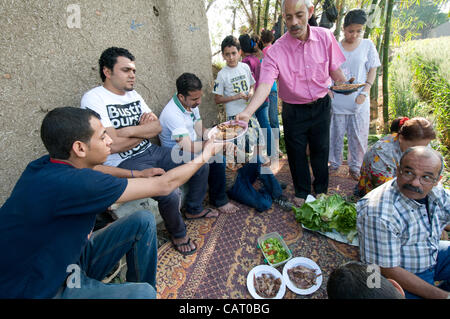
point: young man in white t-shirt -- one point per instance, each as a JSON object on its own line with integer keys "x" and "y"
{"x": 182, "y": 129}
{"x": 131, "y": 123}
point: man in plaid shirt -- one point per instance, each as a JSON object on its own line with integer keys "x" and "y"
{"x": 400, "y": 224}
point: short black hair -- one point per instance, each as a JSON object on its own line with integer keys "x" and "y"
{"x": 355, "y": 16}
{"x": 267, "y": 36}
{"x": 230, "y": 41}
{"x": 188, "y": 82}
{"x": 350, "y": 281}
{"x": 109, "y": 59}
{"x": 63, "y": 126}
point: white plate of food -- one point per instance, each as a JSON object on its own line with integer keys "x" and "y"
{"x": 228, "y": 131}
{"x": 302, "y": 275}
{"x": 265, "y": 282}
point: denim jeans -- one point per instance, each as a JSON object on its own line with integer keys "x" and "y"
{"x": 217, "y": 182}
{"x": 273, "y": 112}
{"x": 440, "y": 272}
{"x": 244, "y": 192}
{"x": 133, "y": 236}
{"x": 262, "y": 114}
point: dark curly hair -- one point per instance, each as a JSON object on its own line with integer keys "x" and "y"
{"x": 109, "y": 58}
{"x": 230, "y": 41}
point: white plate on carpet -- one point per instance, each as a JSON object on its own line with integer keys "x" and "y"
{"x": 259, "y": 271}
{"x": 305, "y": 262}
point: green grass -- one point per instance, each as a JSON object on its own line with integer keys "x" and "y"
{"x": 419, "y": 86}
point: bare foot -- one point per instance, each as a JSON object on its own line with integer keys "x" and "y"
{"x": 299, "y": 201}
{"x": 228, "y": 208}
{"x": 184, "y": 245}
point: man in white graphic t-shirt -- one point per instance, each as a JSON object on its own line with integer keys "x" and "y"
{"x": 131, "y": 123}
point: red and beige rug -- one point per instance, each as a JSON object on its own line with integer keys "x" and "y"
{"x": 227, "y": 249}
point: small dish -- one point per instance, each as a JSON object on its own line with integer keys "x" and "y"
{"x": 277, "y": 236}
{"x": 215, "y": 130}
{"x": 352, "y": 88}
{"x": 259, "y": 271}
{"x": 305, "y": 262}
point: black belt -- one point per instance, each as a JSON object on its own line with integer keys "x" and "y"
{"x": 311, "y": 103}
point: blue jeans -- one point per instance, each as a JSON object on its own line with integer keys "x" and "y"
{"x": 244, "y": 192}
{"x": 217, "y": 182}
{"x": 273, "y": 112}
{"x": 133, "y": 236}
{"x": 262, "y": 114}
{"x": 440, "y": 272}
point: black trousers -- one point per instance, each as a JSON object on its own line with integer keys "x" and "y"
{"x": 308, "y": 124}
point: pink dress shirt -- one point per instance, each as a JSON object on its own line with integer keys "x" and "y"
{"x": 302, "y": 67}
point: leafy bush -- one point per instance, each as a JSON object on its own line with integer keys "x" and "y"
{"x": 419, "y": 86}
{"x": 434, "y": 89}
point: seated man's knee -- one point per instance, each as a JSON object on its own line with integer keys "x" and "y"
{"x": 143, "y": 290}
{"x": 144, "y": 217}
{"x": 203, "y": 171}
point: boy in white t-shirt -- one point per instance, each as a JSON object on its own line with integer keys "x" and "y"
{"x": 235, "y": 84}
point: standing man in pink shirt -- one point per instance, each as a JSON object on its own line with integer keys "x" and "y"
{"x": 305, "y": 60}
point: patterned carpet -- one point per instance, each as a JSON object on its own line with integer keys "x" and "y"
{"x": 227, "y": 249}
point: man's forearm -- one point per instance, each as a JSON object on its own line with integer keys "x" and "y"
{"x": 162, "y": 185}
{"x": 413, "y": 284}
{"x": 220, "y": 99}
{"x": 261, "y": 94}
{"x": 145, "y": 131}
{"x": 338, "y": 76}
{"x": 121, "y": 144}
{"x": 114, "y": 171}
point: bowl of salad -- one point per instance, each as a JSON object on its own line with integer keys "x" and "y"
{"x": 274, "y": 249}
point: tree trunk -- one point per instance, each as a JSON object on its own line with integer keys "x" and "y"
{"x": 233, "y": 25}
{"x": 340, "y": 18}
{"x": 371, "y": 16}
{"x": 386, "y": 40}
{"x": 266, "y": 14}
{"x": 275, "y": 15}
{"x": 258, "y": 21}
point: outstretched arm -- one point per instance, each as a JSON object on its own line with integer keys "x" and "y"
{"x": 414, "y": 284}
{"x": 261, "y": 94}
{"x": 162, "y": 185}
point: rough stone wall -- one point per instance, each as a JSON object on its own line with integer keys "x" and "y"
{"x": 49, "y": 54}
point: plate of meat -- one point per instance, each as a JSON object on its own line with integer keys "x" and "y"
{"x": 265, "y": 282}
{"x": 346, "y": 88}
{"x": 302, "y": 275}
{"x": 228, "y": 131}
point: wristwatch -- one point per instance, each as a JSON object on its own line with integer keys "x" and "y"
{"x": 364, "y": 93}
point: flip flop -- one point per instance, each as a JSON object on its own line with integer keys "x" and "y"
{"x": 184, "y": 253}
{"x": 205, "y": 215}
